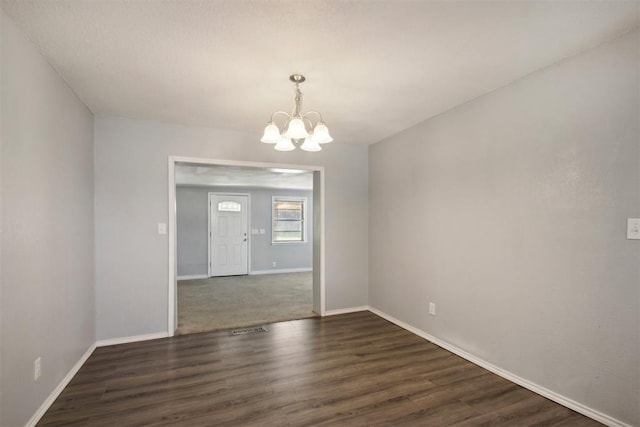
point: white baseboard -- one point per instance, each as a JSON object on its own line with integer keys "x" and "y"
{"x": 56, "y": 391}
{"x": 135, "y": 338}
{"x": 192, "y": 277}
{"x": 346, "y": 310}
{"x": 549, "y": 394}
{"x": 280, "y": 271}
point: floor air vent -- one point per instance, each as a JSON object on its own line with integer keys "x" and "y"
{"x": 251, "y": 330}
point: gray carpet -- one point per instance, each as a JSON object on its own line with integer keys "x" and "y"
{"x": 236, "y": 301}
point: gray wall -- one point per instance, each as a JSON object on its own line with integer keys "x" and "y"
{"x": 509, "y": 212}
{"x": 191, "y": 222}
{"x": 131, "y": 187}
{"x": 47, "y": 265}
{"x": 191, "y": 216}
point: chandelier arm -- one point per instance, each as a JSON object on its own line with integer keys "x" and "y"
{"x": 315, "y": 112}
{"x": 280, "y": 112}
{"x": 307, "y": 120}
{"x": 287, "y": 115}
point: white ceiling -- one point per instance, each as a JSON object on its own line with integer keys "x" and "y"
{"x": 373, "y": 68}
{"x": 239, "y": 176}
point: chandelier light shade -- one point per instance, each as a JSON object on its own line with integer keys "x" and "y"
{"x": 285, "y": 144}
{"x": 310, "y": 145}
{"x": 271, "y": 134}
{"x": 321, "y": 134}
{"x": 298, "y": 129}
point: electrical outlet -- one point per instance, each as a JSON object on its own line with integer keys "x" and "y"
{"x": 274, "y": 264}
{"x": 432, "y": 308}
{"x": 37, "y": 368}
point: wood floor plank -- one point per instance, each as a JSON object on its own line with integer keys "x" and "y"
{"x": 352, "y": 369}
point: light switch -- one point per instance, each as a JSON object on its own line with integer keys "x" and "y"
{"x": 262, "y": 231}
{"x": 162, "y": 228}
{"x": 255, "y": 231}
{"x": 432, "y": 308}
{"x": 633, "y": 228}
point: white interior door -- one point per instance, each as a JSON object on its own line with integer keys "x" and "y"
{"x": 228, "y": 246}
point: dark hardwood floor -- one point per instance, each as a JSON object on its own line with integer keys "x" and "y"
{"x": 352, "y": 369}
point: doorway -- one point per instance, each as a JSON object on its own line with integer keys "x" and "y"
{"x": 228, "y": 234}
{"x": 316, "y": 236}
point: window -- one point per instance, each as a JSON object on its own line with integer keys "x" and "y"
{"x": 229, "y": 206}
{"x": 288, "y": 220}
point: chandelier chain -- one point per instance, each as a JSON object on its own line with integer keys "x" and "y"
{"x": 298, "y": 101}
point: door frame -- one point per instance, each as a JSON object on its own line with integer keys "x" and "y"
{"x": 210, "y": 238}
{"x": 319, "y": 258}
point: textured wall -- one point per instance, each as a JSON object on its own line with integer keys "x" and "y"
{"x": 47, "y": 273}
{"x": 132, "y": 197}
{"x": 509, "y": 212}
{"x": 192, "y": 217}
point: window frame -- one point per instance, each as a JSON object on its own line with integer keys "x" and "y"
{"x": 275, "y": 199}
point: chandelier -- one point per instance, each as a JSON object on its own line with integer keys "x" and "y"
{"x": 297, "y": 126}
